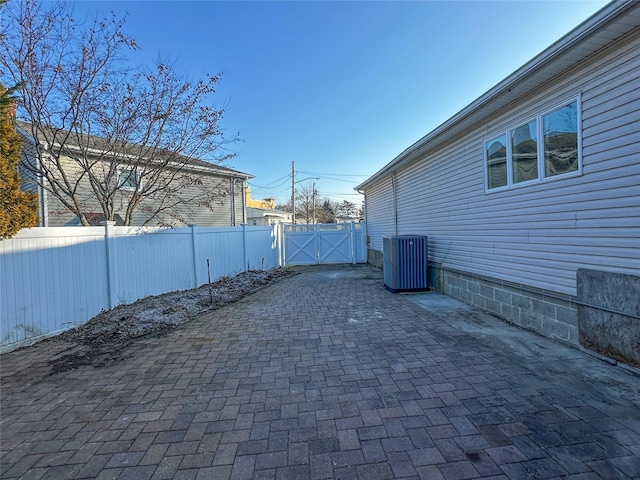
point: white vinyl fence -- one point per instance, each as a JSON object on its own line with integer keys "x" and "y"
{"x": 52, "y": 279}
{"x": 55, "y": 278}
{"x": 324, "y": 243}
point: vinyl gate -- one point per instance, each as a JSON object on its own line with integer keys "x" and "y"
{"x": 324, "y": 244}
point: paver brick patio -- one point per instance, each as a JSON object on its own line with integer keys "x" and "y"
{"x": 325, "y": 375}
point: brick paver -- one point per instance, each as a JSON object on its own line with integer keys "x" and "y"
{"x": 325, "y": 375}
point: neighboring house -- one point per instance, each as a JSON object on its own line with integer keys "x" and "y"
{"x": 530, "y": 195}
{"x": 263, "y": 212}
{"x": 206, "y": 194}
{"x": 348, "y": 218}
{"x": 266, "y": 204}
{"x": 265, "y": 217}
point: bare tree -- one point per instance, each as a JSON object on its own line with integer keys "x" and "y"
{"x": 305, "y": 196}
{"x": 327, "y": 211}
{"x": 108, "y": 135}
{"x": 285, "y": 207}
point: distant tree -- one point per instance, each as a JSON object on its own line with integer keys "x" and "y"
{"x": 305, "y": 198}
{"x": 18, "y": 209}
{"x": 347, "y": 208}
{"x": 327, "y": 211}
{"x": 285, "y": 207}
{"x": 77, "y": 86}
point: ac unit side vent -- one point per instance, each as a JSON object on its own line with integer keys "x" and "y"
{"x": 405, "y": 262}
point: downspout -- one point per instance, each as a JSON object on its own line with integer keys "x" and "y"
{"x": 244, "y": 201}
{"x": 395, "y": 204}
{"x": 42, "y": 192}
{"x": 44, "y": 210}
{"x": 366, "y": 217}
{"x": 233, "y": 203}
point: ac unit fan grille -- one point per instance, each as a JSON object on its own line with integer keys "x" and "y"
{"x": 405, "y": 262}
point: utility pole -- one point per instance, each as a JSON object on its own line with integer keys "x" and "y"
{"x": 313, "y": 194}
{"x": 293, "y": 191}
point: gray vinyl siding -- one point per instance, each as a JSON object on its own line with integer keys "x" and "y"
{"x": 379, "y": 213}
{"x": 218, "y": 216}
{"x": 27, "y": 178}
{"x": 536, "y": 234}
{"x": 216, "y": 179}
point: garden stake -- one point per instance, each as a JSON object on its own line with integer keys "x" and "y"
{"x": 210, "y": 289}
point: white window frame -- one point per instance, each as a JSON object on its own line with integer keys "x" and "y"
{"x": 540, "y": 148}
{"x": 121, "y": 184}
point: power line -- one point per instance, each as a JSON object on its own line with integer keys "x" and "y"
{"x": 282, "y": 180}
{"x": 338, "y": 180}
{"x": 336, "y": 174}
{"x": 286, "y": 177}
{"x": 341, "y": 180}
{"x": 341, "y": 194}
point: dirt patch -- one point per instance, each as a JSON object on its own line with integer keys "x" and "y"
{"x": 104, "y": 339}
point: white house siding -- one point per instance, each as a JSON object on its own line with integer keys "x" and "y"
{"x": 535, "y": 235}
{"x": 379, "y": 213}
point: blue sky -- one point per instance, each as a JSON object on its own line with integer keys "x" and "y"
{"x": 341, "y": 88}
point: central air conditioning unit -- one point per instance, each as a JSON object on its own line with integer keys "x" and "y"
{"x": 405, "y": 262}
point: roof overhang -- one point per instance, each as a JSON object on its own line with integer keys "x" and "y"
{"x": 192, "y": 165}
{"x": 614, "y": 21}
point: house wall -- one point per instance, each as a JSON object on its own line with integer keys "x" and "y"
{"x": 220, "y": 215}
{"x": 266, "y": 217}
{"x": 57, "y": 215}
{"x": 516, "y": 252}
{"x": 380, "y": 217}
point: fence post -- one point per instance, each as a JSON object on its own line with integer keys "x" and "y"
{"x": 318, "y": 243}
{"x": 283, "y": 244}
{"x": 110, "y": 248}
{"x": 274, "y": 244}
{"x": 245, "y": 254}
{"x": 195, "y": 255}
{"x": 354, "y": 251}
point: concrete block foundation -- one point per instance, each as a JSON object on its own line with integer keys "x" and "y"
{"x": 604, "y": 316}
{"x": 546, "y": 313}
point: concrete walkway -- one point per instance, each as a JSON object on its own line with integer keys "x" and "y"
{"x": 326, "y": 375}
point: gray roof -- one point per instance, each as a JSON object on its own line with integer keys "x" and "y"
{"x": 612, "y": 22}
{"x": 104, "y": 146}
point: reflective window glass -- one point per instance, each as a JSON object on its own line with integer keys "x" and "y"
{"x": 524, "y": 152}
{"x": 496, "y": 154}
{"x": 560, "y": 129}
{"x": 129, "y": 179}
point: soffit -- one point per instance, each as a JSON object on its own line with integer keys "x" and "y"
{"x": 96, "y": 146}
